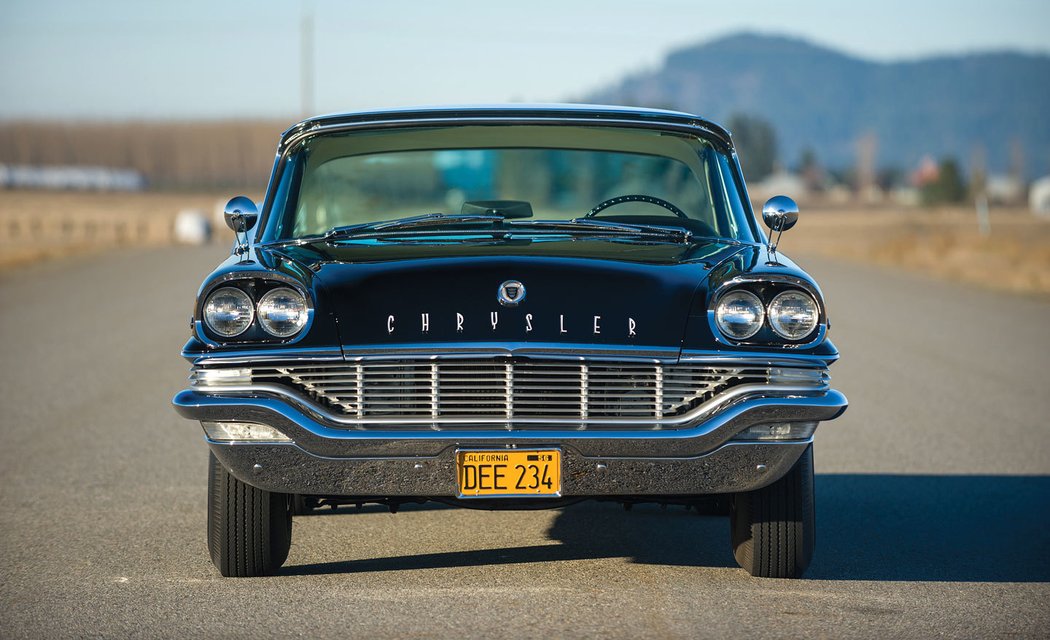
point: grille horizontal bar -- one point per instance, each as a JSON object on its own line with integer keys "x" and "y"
{"x": 507, "y": 388}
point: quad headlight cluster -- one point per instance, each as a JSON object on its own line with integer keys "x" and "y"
{"x": 792, "y": 314}
{"x": 229, "y": 311}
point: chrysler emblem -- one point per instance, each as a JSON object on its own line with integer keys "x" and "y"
{"x": 511, "y": 293}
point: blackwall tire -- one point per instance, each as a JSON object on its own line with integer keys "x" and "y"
{"x": 773, "y": 529}
{"x": 249, "y": 530}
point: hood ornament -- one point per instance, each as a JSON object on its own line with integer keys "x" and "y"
{"x": 511, "y": 293}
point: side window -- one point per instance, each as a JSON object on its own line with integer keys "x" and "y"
{"x": 730, "y": 212}
{"x": 282, "y": 210}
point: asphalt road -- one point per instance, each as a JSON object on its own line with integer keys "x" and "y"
{"x": 933, "y": 492}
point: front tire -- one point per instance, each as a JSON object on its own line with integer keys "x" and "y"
{"x": 249, "y": 530}
{"x": 773, "y": 529}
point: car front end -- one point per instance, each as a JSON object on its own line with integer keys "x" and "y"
{"x": 601, "y": 319}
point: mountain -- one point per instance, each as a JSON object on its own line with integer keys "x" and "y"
{"x": 825, "y": 100}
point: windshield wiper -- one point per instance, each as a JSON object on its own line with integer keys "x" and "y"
{"x": 425, "y": 220}
{"x": 577, "y": 224}
{"x": 506, "y": 228}
{"x": 684, "y": 234}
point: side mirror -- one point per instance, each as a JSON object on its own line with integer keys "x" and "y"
{"x": 241, "y": 214}
{"x": 780, "y": 213}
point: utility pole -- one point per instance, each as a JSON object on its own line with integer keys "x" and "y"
{"x": 306, "y": 60}
{"x": 867, "y": 180}
{"x": 979, "y": 189}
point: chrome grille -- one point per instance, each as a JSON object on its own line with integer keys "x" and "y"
{"x": 462, "y": 391}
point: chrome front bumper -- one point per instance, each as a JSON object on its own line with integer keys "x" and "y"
{"x": 700, "y": 458}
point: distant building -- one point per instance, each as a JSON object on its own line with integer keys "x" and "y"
{"x": 1004, "y": 190}
{"x": 70, "y": 178}
{"x": 192, "y": 227}
{"x": 1039, "y": 196}
{"x": 779, "y": 183}
{"x": 906, "y": 196}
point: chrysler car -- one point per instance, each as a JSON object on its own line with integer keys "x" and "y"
{"x": 509, "y": 307}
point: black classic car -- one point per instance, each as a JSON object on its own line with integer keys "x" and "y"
{"x": 506, "y": 308}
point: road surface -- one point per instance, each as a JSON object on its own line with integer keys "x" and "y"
{"x": 933, "y": 492}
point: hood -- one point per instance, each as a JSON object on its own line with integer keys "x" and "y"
{"x": 573, "y": 291}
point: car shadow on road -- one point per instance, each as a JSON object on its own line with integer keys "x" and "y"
{"x": 589, "y": 530}
{"x": 870, "y": 527}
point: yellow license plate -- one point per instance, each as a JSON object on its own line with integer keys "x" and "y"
{"x": 509, "y": 473}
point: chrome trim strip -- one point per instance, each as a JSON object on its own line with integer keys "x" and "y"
{"x": 551, "y": 351}
{"x": 692, "y": 416}
{"x": 658, "y": 394}
{"x": 724, "y": 445}
{"x": 514, "y": 349}
{"x": 290, "y": 141}
{"x": 297, "y": 354}
{"x": 190, "y": 400}
{"x": 758, "y": 358}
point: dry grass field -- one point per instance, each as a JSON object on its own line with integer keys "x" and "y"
{"x": 37, "y": 225}
{"x": 1015, "y": 256}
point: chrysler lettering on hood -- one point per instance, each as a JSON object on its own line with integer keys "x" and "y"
{"x": 597, "y": 291}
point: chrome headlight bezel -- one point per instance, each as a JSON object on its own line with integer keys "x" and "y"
{"x": 207, "y": 313}
{"x": 773, "y": 314}
{"x": 745, "y": 297}
{"x": 255, "y": 284}
{"x": 767, "y": 286}
{"x": 269, "y": 326}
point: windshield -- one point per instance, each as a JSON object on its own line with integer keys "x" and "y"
{"x": 523, "y": 174}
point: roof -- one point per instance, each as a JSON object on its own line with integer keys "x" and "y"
{"x": 575, "y": 112}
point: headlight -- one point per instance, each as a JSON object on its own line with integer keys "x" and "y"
{"x": 739, "y": 314}
{"x": 793, "y": 315}
{"x": 282, "y": 312}
{"x": 228, "y": 312}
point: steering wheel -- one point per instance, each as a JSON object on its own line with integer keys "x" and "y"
{"x": 612, "y": 202}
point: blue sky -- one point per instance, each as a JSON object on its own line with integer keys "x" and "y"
{"x": 117, "y": 59}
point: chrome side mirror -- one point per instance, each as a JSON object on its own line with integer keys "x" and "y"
{"x": 241, "y": 214}
{"x": 780, "y": 213}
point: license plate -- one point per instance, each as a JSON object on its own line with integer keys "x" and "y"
{"x": 508, "y": 473}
